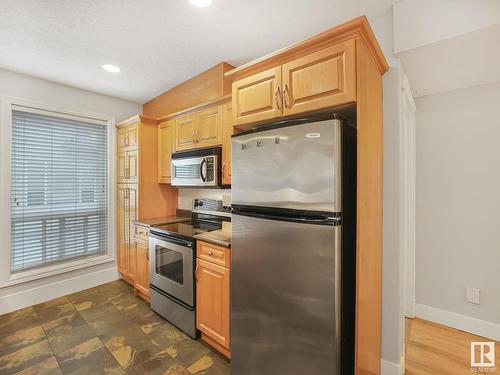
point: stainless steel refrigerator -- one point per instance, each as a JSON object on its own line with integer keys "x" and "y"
{"x": 293, "y": 248}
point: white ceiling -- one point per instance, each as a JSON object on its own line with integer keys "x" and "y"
{"x": 463, "y": 61}
{"x": 156, "y": 43}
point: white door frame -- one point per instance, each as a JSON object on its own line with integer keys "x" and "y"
{"x": 407, "y": 196}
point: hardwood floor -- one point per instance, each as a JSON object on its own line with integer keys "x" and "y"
{"x": 433, "y": 349}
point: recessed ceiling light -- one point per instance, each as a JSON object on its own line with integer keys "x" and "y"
{"x": 111, "y": 68}
{"x": 201, "y": 3}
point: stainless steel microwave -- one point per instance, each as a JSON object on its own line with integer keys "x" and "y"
{"x": 197, "y": 167}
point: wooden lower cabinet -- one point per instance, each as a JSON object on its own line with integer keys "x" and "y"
{"x": 141, "y": 280}
{"x": 127, "y": 213}
{"x": 212, "y": 303}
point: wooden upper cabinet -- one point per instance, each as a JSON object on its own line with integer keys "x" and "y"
{"x": 323, "y": 79}
{"x": 258, "y": 97}
{"x": 227, "y": 131}
{"x": 165, "y": 149}
{"x": 121, "y": 139}
{"x": 184, "y": 133}
{"x": 132, "y": 166}
{"x": 132, "y": 134}
{"x": 121, "y": 167}
{"x": 212, "y": 301}
{"x": 199, "y": 129}
{"x": 128, "y": 167}
{"x": 128, "y": 137}
{"x": 208, "y": 127}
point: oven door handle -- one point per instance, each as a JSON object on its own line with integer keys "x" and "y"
{"x": 203, "y": 165}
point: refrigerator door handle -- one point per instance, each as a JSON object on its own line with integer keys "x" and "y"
{"x": 330, "y": 220}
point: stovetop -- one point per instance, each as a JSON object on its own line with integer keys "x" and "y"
{"x": 187, "y": 229}
{"x": 207, "y": 216}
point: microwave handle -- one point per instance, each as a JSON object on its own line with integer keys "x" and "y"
{"x": 203, "y": 165}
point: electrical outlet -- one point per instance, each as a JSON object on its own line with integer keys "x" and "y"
{"x": 472, "y": 295}
{"x": 226, "y": 200}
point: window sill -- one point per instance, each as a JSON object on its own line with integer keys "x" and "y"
{"x": 40, "y": 273}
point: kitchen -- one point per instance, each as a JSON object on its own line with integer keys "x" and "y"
{"x": 200, "y": 277}
{"x": 237, "y": 221}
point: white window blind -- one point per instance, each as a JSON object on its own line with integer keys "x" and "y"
{"x": 58, "y": 189}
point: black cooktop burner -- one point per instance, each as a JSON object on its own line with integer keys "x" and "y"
{"x": 187, "y": 229}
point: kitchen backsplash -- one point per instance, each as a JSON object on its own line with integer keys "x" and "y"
{"x": 187, "y": 195}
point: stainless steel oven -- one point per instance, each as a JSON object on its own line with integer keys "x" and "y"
{"x": 171, "y": 268}
{"x": 197, "y": 167}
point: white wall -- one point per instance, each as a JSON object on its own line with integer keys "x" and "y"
{"x": 458, "y": 207}
{"x": 53, "y": 94}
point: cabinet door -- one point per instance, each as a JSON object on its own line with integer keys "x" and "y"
{"x": 122, "y": 241}
{"x": 121, "y": 139}
{"x": 121, "y": 167}
{"x": 165, "y": 149}
{"x": 323, "y": 79}
{"x": 132, "y": 134}
{"x": 132, "y": 166}
{"x": 141, "y": 280}
{"x": 208, "y": 131}
{"x": 258, "y": 97}
{"x": 212, "y": 299}
{"x": 227, "y": 131}
{"x": 132, "y": 198}
{"x": 184, "y": 133}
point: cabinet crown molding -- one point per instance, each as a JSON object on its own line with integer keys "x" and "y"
{"x": 135, "y": 119}
{"x": 356, "y": 28}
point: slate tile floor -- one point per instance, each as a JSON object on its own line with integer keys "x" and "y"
{"x": 103, "y": 330}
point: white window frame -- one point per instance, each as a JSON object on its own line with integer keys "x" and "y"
{"x": 7, "y": 278}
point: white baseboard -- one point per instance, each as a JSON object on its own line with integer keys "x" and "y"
{"x": 50, "y": 290}
{"x": 465, "y": 323}
{"x": 389, "y": 368}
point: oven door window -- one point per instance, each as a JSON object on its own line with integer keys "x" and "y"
{"x": 170, "y": 264}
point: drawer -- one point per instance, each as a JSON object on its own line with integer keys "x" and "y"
{"x": 141, "y": 233}
{"x": 213, "y": 253}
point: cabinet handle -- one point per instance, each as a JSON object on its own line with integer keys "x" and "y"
{"x": 276, "y": 96}
{"x": 210, "y": 253}
{"x": 197, "y": 138}
{"x": 194, "y": 140}
{"x": 126, "y": 141}
{"x": 196, "y": 272}
{"x": 285, "y": 103}
{"x": 223, "y": 167}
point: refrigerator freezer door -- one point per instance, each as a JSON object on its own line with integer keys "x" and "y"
{"x": 296, "y": 167}
{"x": 285, "y": 297}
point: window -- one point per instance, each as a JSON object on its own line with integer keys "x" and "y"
{"x": 59, "y": 208}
